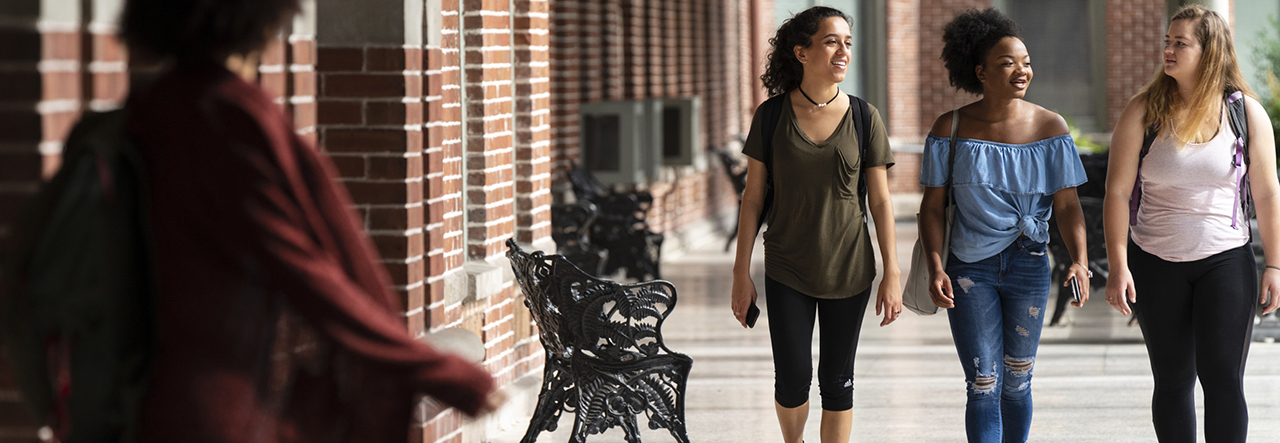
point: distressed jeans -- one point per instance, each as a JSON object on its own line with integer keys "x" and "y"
{"x": 996, "y": 322}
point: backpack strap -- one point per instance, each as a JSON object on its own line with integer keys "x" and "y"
{"x": 862, "y": 126}
{"x": 1135, "y": 198}
{"x": 772, "y": 112}
{"x": 1239, "y": 123}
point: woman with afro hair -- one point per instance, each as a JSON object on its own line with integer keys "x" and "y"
{"x": 819, "y": 261}
{"x": 1181, "y": 260}
{"x": 1010, "y": 165}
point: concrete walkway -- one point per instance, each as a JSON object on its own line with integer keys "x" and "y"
{"x": 1092, "y": 378}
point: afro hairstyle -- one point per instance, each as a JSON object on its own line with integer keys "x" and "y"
{"x": 967, "y": 39}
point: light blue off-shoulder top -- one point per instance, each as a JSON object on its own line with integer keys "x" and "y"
{"x": 1002, "y": 190}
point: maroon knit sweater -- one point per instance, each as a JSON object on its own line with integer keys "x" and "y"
{"x": 276, "y": 321}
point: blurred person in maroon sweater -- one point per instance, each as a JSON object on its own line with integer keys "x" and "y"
{"x": 276, "y": 321}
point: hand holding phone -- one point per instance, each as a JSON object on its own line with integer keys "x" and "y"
{"x": 753, "y": 313}
{"x": 1075, "y": 290}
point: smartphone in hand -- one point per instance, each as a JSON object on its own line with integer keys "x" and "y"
{"x": 1075, "y": 290}
{"x": 753, "y": 313}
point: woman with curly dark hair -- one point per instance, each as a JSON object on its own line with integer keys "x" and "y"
{"x": 1010, "y": 164}
{"x": 1177, "y": 225}
{"x": 276, "y": 323}
{"x": 818, "y": 253}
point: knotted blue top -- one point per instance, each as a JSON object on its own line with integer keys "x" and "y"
{"x": 1002, "y": 190}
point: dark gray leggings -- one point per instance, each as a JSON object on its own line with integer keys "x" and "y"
{"x": 1196, "y": 318}
{"x": 791, "y": 317}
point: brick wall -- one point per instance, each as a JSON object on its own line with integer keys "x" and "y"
{"x": 489, "y": 152}
{"x": 936, "y": 93}
{"x": 903, "y": 113}
{"x": 443, "y": 197}
{"x": 301, "y": 89}
{"x": 631, "y": 49}
{"x": 443, "y": 149}
{"x": 1134, "y": 30}
{"x": 533, "y": 120}
{"x": 904, "y": 176}
{"x": 533, "y": 169}
{"x": 370, "y": 126}
{"x": 566, "y": 82}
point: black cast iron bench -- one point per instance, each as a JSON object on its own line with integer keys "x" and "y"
{"x": 620, "y": 227}
{"x": 606, "y": 361}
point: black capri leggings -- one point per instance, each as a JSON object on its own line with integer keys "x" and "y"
{"x": 791, "y": 316}
{"x": 1196, "y": 318}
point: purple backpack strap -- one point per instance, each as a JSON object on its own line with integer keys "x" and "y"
{"x": 1238, "y": 161}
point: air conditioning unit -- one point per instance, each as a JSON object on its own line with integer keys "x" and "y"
{"x": 618, "y": 140}
{"x": 681, "y": 139}
{"x": 630, "y": 141}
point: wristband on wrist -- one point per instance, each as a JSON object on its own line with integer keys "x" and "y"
{"x": 1089, "y": 272}
{"x": 1273, "y": 267}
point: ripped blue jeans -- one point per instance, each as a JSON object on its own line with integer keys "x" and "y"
{"x": 999, "y": 309}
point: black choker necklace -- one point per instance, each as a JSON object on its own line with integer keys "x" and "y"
{"x": 806, "y": 96}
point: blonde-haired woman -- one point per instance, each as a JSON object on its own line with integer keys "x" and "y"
{"x": 1182, "y": 260}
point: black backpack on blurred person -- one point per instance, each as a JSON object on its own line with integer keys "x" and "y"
{"x": 77, "y": 314}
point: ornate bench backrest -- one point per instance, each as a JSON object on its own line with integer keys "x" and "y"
{"x": 625, "y": 323}
{"x": 602, "y": 318}
{"x": 556, "y": 293}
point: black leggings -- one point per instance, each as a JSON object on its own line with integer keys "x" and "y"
{"x": 791, "y": 316}
{"x": 1197, "y": 317}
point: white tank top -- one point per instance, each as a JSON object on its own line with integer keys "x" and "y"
{"x": 1188, "y": 198}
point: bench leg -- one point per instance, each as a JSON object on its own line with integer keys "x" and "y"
{"x": 557, "y": 387}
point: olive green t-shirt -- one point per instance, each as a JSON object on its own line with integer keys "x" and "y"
{"x": 817, "y": 242}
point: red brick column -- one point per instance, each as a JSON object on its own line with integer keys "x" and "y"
{"x": 273, "y": 75}
{"x": 903, "y": 42}
{"x": 566, "y": 83}
{"x": 370, "y": 119}
{"x": 532, "y": 121}
{"x": 655, "y": 25}
{"x": 302, "y": 84}
{"x": 684, "y": 44}
{"x": 762, "y": 29}
{"x": 489, "y": 102}
{"x": 611, "y": 33}
{"x": 489, "y": 98}
{"x": 1134, "y": 28}
{"x": 444, "y": 217}
{"x": 444, "y": 200}
{"x": 634, "y": 72}
{"x": 533, "y": 158}
{"x": 748, "y": 62}
{"x": 592, "y": 45}
{"x": 670, "y": 40}
{"x": 107, "y": 70}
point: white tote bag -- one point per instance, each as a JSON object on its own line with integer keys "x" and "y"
{"x": 915, "y": 294}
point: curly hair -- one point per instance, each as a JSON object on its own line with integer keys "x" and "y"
{"x": 782, "y": 71}
{"x": 201, "y": 30}
{"x": 966, "y": 41}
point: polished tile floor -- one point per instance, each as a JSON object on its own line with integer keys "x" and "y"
{"x": 1092, "y": 379}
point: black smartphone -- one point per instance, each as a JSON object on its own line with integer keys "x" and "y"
{"x": 1075, "y": 290}
{"x": 753, "y": 313}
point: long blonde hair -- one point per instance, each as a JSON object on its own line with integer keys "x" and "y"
{"x": 1219, "y": 71}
